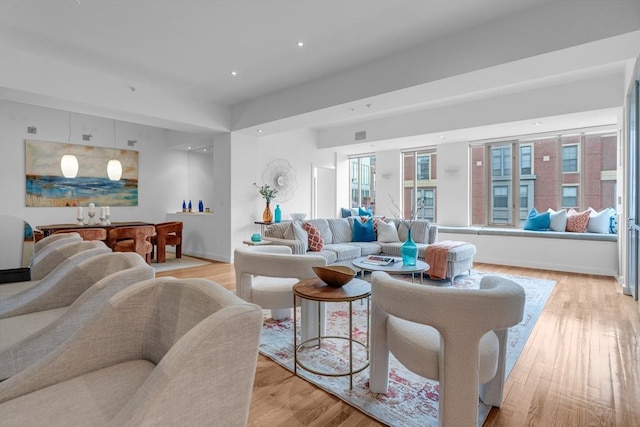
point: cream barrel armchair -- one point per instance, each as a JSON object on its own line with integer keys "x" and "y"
{"x": 162, "y": 352}
{"x": 46, "y": 242}
{"x": 265, "y": 276}
{"x": 46, "y": 261}
{"x": 454, "y": 336}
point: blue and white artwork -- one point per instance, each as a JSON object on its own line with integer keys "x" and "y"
{"x": 46, "y": 186}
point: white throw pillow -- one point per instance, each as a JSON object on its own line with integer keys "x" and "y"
{"x": 387, "y": 232}
{"x": 301, "y": 234}
{"x": 558, "y": 220}
{"x": 599, "y": 221}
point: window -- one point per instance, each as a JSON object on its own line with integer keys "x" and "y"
{"x": 419, "y": 183}
{"x": 576, "y": 170}
{"x": 569, "y": 196}
{"x": 525, "y": 160}
{"x": 362, "y": 182}
{"x": 570, "y": 158}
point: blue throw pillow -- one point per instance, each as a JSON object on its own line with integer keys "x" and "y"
{"x": 363, "y": 232}
{"x": 613, "y": 221}
{"x": 363, "y": 212}
{"x": 345, "y": 212}
{"x": 537, "y": 221}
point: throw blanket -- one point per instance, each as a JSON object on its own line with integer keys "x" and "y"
{"x": 437, "y": 256}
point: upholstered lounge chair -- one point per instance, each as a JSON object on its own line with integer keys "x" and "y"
{"x": 163, "y": 352}
{"x": 167, "y": 234}
{"x": 132, "y": 239}
{"x": 455, "y": 336}
{"x": 45, "y": 242}
{"x": 52, "y": 257}
{"x": 20, "y": 349}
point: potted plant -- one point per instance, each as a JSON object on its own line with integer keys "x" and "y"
{"x": 268, "y": 193}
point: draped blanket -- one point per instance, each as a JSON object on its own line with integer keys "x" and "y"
{"x": 437, "y": 256}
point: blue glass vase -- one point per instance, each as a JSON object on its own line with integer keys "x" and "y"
{"x": 409, "y": 251}
{"x": 277, "y": 217}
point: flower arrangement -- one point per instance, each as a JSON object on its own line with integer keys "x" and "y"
{"x": 266, "y": 191}
{"x": 397, "y": 215}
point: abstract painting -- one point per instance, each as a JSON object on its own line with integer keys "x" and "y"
{"x": 46, "y": 186}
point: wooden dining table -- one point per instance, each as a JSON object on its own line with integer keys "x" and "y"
{"x": 47, "y": 230}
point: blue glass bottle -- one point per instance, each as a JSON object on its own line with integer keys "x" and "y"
{"x": 190, "y": 206}
{"x": 200, "y": 206}
{"x": 184, "y": 206}
{"x": 277, "y": 214}
{"x": 409, "y": 251}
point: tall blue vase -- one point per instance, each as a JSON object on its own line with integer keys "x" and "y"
{"x": 409, "y": 251}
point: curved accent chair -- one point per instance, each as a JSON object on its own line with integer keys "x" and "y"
{"x": 57, "y": 274}
{"x": 33, "y": 337}
{"x": 45, "y": 242}
{"x": 455, "y": 336}
{"x": 50, "y": 258}
{"x": 87, "y": 233}
{"x": 132, "y": 239}
{"x": 167, "y": 234}
{"x": 162, "y": 352}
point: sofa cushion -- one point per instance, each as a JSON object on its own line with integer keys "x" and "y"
{"x": 345, "y": 212}
{"x": 363, "y": 230}
{"x": 364, "y": 212}
{"x": 92, "y": 399}
{"x": 613, "y": 221}
{"x": 279, "y": 230}
{"x": 340, "y": 230}
{"x": 557, "y": 220}
{"x": 17, "y": 328}
{"x": 343, "y": 251}
{"x": 316, "y": 241}
{"x": 387, "y": 232}
{"x": 577, "y": 221}
{"x": 393, "y": 249}
{"x": 537, "y": 221}
{"x": 367, "y": 248}
{"x": 297, "y": 232}
{"x": 329, "y": 256}
{"x": 419, "y": 231}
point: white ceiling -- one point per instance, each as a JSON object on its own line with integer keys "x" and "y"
{"x": 188, "y": 48}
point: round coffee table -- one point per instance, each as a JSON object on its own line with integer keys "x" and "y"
{"x": 316, "y": 290}
{"x": 396, "y": 267}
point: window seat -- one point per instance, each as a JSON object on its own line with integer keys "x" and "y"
{"x": 589, "y": 253}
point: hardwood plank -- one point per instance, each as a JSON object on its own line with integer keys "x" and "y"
{"x": 578, "y": 368}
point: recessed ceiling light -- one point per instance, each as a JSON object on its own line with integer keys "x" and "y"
{"x": 259, "y": 131}
{"x": 204, "y": 150}
{"x": 441, "y": 136}
{"x": 537, "y": 123}
{"x": 188, "y": 148}
{"x": 300, "y": 43}
{"x": 234, "y": 73}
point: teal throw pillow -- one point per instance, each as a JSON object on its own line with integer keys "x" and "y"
{"x": 364, "y": 212}
{"x": 537, "y": 221}
{"x": 363, "y": 232}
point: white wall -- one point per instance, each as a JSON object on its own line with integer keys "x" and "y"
{"x": 250, "y": 156}
{"x": 162, "y": 170}
{"x": 388, "y": 181}
{"x": 453, "y": 184}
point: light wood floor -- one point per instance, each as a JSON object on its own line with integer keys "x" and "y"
{"x": 580, "y": 366}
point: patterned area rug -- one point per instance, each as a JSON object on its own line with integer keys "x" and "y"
{"x": 411, "y": 400}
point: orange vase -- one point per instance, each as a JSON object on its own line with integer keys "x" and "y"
{"x": 267, "y": 216}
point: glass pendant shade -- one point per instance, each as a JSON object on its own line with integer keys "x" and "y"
{"x": 69, "y": 166}
{"x": 114, "y": 170}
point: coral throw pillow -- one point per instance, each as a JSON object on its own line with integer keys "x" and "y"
{"x": 577, "y": 221}
{"x": 316, "y": 242}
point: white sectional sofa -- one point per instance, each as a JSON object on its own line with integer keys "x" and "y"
{"x": 340, "y": 249}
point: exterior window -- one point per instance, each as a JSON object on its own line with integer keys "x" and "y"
{"x": 569, "y": 158}
{"x": 570, "y": 196}
{"x": 525, "y": 160}
{"x": 362, "y": 182}
{"x": 502, "y": 198}
{"x": 419, "y": 184}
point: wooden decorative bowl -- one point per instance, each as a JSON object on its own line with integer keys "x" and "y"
{"x": 335, "y": 276}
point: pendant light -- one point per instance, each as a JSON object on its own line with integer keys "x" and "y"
{"x": 114, "y": 167}
{"x": 69, "y": 162}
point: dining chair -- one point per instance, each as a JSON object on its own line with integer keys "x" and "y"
{"x": 132, "y": 239}
{"x": 167, "y": 234}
